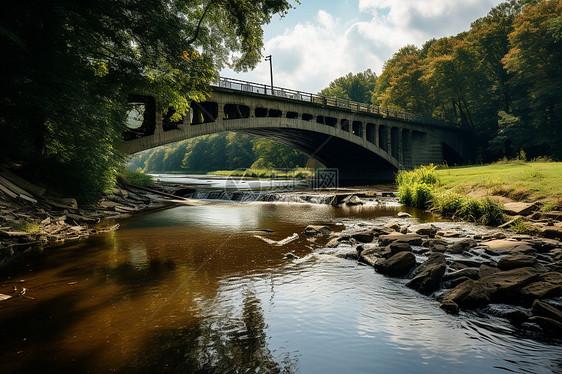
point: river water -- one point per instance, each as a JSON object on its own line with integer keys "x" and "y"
{"x": 192, "y": 289}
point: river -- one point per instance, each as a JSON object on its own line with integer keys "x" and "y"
{"x": 194, "y": 289}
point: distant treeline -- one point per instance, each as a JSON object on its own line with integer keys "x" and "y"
{"x": 502, "y": 79}
{"x": 221, "y": 151}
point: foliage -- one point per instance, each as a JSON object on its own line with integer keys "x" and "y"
{"x": 521, "y": 227}
{"x": 358, "y": 87}
{"x": 501, "y": 79}
{"x": 134, "y": 178}
{"x": 548, "y": 207}
{"x": 26, "y": 226}
{"x": 221, "y": 151}
{"x": 68, "y": 68}
{"x": 420, "y": 188}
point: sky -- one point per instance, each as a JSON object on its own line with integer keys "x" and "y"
{"x": 319, "y": 41}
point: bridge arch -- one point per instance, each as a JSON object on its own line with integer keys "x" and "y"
{"x": 363, "y": 142}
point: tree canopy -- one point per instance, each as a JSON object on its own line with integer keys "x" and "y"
{"x": 501, "y": 78}
{"x": 68, "y": 67}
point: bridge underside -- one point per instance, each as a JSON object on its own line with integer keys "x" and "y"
{"x": 356, "y": 165}
{"x": 365, "y": 147}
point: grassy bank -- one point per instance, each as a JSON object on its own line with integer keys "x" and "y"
{"x": 299, "y": 173}
{"x": 516, "y": 180}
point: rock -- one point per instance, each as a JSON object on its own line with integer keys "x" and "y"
{"x": 549, "y": 326}
{"x": 352, "y": 200}
{"x": 370, "y": 253}
{"x": 516, "y": 317}
{"x": 4, "y": 297}
{"x": 462, "y": 245}
{"x": 517, "y": 260}
{"x": 364, "y": 236}
{"x": 396, "y": 247}
{"x": 438, "y": 246}
{"x": 404, "y": 230}
{"x": 553, "y": 232}
{"x": 404, "y": 215}
{"x": 290, "y": 256}
{"x": 505, "y": 286}
{"x": 317, "y": 230}
{"x": 428, "y": 275}
{"x": 472, "y": 273}
{"x": 539, "y": 290}
{"x": 552, "y": 277}
{"x": 433, "y": 260}
{"x": 540, "y": 308}
{"x": 519, "y": 208}
{"x": 392, "y": 226}
{"x": 455, "y": 282}
{"x": 397, "y": 265}
{"x": 501, "y": 247}
{"x": 449, "y": 234}
{"x": 486, "y": 270}
{"x": 449, "y": 306}
{"x": 544, "y": 245}
{"x": 412, "y": 239}
{"x": 425, "y": 230}
{"x": 459, "y": 292}
{"x": 340, "y": 240}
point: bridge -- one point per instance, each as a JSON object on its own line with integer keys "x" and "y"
{"x": 367, "y": 143}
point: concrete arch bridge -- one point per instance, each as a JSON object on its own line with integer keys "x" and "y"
{"x": 366, "y": 143}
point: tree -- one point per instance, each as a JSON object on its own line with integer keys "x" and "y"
{"x": 534, "y": 59}
{"x": 68, "y": 67}
{"x": 358, "y": 87}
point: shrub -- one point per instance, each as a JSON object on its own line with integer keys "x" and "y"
{"x": 521, "y": 227}
{"x": 492, "y": 213}
{"x": 422, "y": 195}
{"x": 448, "y": 203}
{"x": 548, "y": 207}
{"x": 471, "y": 210}
{"x": 406, "y": 195}
{"x": 134, "y": 178}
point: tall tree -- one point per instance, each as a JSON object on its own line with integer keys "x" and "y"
{"x": 356, "y": 87}
{"x": 68, "y": 66}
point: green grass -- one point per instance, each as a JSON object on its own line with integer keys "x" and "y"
{"x": 298, "y": 173}
{"x": 517, "y": 180}
{"x": 134, "y": 178}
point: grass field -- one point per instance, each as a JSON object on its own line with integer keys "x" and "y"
{"x": 517, "y": 180}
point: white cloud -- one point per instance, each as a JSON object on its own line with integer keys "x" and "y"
{"x": 313, "y": 53}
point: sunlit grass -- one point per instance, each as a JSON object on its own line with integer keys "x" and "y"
{"x": 517, "y": 180}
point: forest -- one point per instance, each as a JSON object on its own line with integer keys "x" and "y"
{"x": 221, "y": 151}
{"x": 502, "y": 79}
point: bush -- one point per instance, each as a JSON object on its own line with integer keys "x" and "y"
{"x": 134, "y": 178}
{"x": 448, "y": 203}
{"x": 521, "y": 227}
{"x": 492, "y": 213}
{"x": 406, "y": 195}
{"x": 471, "y": 210}
{"x": 422, "y": 195}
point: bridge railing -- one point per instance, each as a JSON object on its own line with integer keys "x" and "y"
{"x": 264, "y": 89}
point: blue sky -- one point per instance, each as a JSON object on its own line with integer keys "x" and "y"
{"x": 319, "y": 41}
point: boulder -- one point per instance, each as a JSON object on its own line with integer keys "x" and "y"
{"x": 396, "y": 247}
{"x": 502, "y": 247}
{"x": 370, "y": 253}
{"x": 404, "y": 215}
{"x": 544, "y": 245}
{"x": 472, "y": 273}
{"x": 425, "y": 230}
{"x": 340, "y": 240}
{"x": 317, "y": 230}
{"x": 517, "y": 260}
{"x": 539, "y": 290}
{"x": 540, "y": 308}
{"x": 394, "y": 227}
{"x": 519, "y": 208}
{"x": 462, "y": 245}
{"x": 449, "y": 306}
{"x": 485, "y": 270}
{"x": 352, "y": 200}
{"x": 505, "y": 286}
{"x": 449, "y": 234}
{"x": 366, "y": 236}
{"x": 412, "y": 239}
{"x": 427, "y": 276}
{"x": 548, "y": 325}
{"x": 399, "y": 264}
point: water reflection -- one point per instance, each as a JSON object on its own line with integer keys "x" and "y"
{"x": 191, "y": 289}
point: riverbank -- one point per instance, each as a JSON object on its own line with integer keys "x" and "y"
{"x": 31, "y": 218}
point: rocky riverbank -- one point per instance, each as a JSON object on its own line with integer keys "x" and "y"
{"x": 31, "y": 218}
{"x": 517, "y": 277}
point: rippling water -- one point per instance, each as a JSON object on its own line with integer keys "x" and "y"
{"x": 191, "y": 289}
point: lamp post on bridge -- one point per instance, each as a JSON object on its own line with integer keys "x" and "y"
{"x": 268, "y": 58}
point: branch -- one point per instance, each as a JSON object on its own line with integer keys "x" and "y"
{"x": 199, "y": 23}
